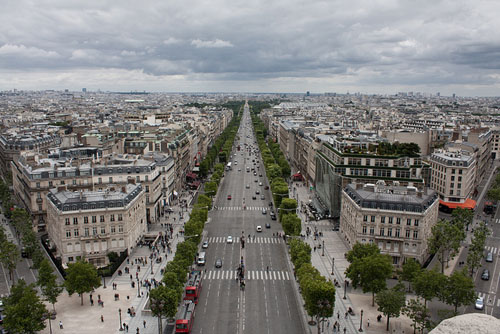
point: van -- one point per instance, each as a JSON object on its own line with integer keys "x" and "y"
{"x": 201, "y": 259}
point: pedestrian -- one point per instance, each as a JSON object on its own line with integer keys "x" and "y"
{"x": 60, "y": 325}
{"x": 137, "y": 331}
{"x": 144, "y": 323}
{"x": 126, "y": 327}
{"x": 368, "y": 323}
{"x": 338, "y": 314}
{"x": 91, "y": 302}
{"x": 346, "y": 315}
{"x": 102, "y": 318}
{"x": 345, "y": 330}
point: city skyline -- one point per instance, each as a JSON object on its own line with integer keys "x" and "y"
{"x": 379, "y": 47}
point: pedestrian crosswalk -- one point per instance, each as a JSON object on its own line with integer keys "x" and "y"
{"x": 497, "y": 221}
{"x": 251, "y": 240}
{"x": 493, "y": 250}
{"x": 489, "y": 299}
{"x": 250, "y": 275}
{"x": 238, "y": 208}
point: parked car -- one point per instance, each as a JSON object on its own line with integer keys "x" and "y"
{"x": 485, "y": 275}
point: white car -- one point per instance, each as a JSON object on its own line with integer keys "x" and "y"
{"x": 260, "y": 184}
{"x": 259, "y": 228}
{"x": 229, "y": 239}
{"x": 479, "y": 303}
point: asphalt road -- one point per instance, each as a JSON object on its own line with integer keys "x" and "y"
{"x": 268, "y": 302}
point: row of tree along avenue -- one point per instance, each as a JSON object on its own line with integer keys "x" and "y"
{"x": 370, "y": 270}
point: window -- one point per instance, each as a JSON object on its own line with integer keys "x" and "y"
{"x": 364, "y": 229}
{"x": 407, "y": 233}
{"x": 66, "y": 221}
{"x": 415, "y": 234}
{"x": 94, "y": 219}
{"x": 86, "y": 232}
{"x": 138, "y": 178}
{"x": 70, "y": 259}
{"x": 85, "y": 220}
{"x": 120, "y": 217}
{"x": 390, "y": 220}
{"x": 102, "y": 219}
{"x": 460, "y": 172}
{"x": 398, "y": 221}
{"x": 99, "y": 180}
{"x": 372, "y": 230}
{"x": 74, "y": 182}
{"x": 62, "y": 182}
{"x": 416, "y": 222}
{"x": 110, "y": 179}
{"x": 382, "y": 219}
{"x": 120, "y": 228}
{"x": 68, "y": 234}
{"x": 389, "y": 232}
{"x": 40, "y": 208}
{"x": 38, "y": 184}
{"x": 453, "y": 171}
{"x": 397, "y": 232}
{"x": 112, "y": 218}
{"x": 408, "y": 221}
{"x": 147, "y": 189}
{"x": 113, "y": 229}
{"x": 103, "y": 230}
{"x": 76, "y": 232}
{"x": 50, "y": 183}
{"x": 75, "y": 220}
{"x": 94, "y": 230}
{"x": 395, "y": 260}
{"x": 365, "y": 218}
{"x": 372, "y": 219}
{"x": 382, "y": 231}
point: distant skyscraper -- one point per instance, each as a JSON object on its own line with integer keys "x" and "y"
{"x": 308, "y": 93}
{"x": 438, "y": 94}
{"x": 84, "y": 90}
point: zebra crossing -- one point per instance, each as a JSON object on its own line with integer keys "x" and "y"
{"x": 252, "y": 275}
{"x": 493, "y": 250}
{"x": 497, "y": 221}
{"x": 489, "y": 300}
{"x": 256, "y": 240}
{"x": 239, "y": 208}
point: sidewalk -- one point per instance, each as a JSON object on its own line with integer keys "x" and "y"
{"x": 355, "y": 298}
{"x": 87, "y": 319}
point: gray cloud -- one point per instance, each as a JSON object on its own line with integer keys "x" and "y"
{"x": 221, "y": 45}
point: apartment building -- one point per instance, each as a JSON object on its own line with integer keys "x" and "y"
{"x": 89, "y": 224}
{"x": 453, "y": 177}
{"x": 34, "y": 175}
{"x": 483, "y": 139}
{"x": 397, "y": 219}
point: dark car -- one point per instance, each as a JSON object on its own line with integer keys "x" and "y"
{"x": 254, "y": 197}
{"x": 218, "y": 263}
{"x": 485, "y": 275}
{"x": 268, "y": 225}
{"x": 266, "y": 187}
{"x": 273, "y": 216}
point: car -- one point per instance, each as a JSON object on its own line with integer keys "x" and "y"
{"x": 205, "y": 245}
{"x": 262, "y": 197}
{"x": 229, "y": 197}
{"x": 479, "y": 303}
{"x": 264, "y": 211}
{"x": 273, "y": 216}
{"x": 268, "y": 225}
{"x": 239, "y": 169}
{"x": 229, "y": 239}
{"x": 236, "y": 162}
{"x": 485, "y": 275}
{"x": 271, "y": 204}
{"x": 260, "y": 175}
{"x": 254, "y": 197}
{"x": 259, "y": 228}
{"x": 257, "y": 192}
{"x": 247, "y": 186}
{"x": 260, "y": 184}
{"x": 266, "y": 187}
{"x": 489, "y": 257}
{"x": 255, "y": 180}
{"x": 218, "y": 263}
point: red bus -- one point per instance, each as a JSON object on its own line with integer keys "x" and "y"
{"x": 193, "y": 287}
{"x": 185, "y": 322}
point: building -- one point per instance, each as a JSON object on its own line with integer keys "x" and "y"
{"x": 453, "y": 177}
{"x": 397, "y": 219}
{"x": 89, "y": 224}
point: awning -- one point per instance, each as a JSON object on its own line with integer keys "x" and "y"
{"x": 196, "y": 169}
{"x": 191, "y": 176}
{"x": 468, "y": 204}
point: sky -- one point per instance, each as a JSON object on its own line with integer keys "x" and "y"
{"x": 367, "y": 46}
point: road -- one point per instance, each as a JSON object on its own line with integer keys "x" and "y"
{"x": 268, "y": 303}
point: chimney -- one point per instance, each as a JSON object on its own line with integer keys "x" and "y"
{"x": 124, "y": 189}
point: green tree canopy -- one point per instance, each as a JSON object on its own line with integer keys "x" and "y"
{"x": 428, "y": 283}
{"x": 47, "y": 281}
{"x": 390, "y": 302}
{"x": 81, "y": 277}
{"x": 419, "y": 315}
{"x": 410, "y": 270}
{"x": 291, "y": 224}
{"x": 360, "y": 251}
{"x": 445, "y": 240}
{"x": 458, "y": 290}
{"x": 24, "y": 311}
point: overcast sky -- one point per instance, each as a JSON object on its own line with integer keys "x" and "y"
{"x": 368, "y": 46}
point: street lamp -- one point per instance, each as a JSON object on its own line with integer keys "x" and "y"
{"x": 345, "y": 288}
{"x": 333, "y": 263}
{"x": 138, "y": 288}
{"x": 323, "y": 254}
{"x": 104, "y": 280}
{"x": 120, "y": 315}
{"x": 151, "y": 259}
{"x": 361, "y": 322}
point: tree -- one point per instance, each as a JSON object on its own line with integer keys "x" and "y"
{"x": 445, "y": 240}
{"x": 163, "y": 302}
{"x": 24, "y": 311}
{"x": 464, "y": 216}
{"x": 211, "y": 188}
{"x": 287, "y": 206}
{"x": 81, "y": 277}
{"x": 428, "y": 283}
{"x": 371, "y": 273}
{"x": 476, "y": 248}
{"x": 9, "y": 256}
{"x": 291, "y": 224}
{"x": 47, "y": 281}
{"x": 319, "y": 296}
{"x": 360, "y": 251}
{"x": 390, "y": 302}
{"x": 418, "y": 313}
{"x": 409, "y": 271}
{"x": 458, "y": 290}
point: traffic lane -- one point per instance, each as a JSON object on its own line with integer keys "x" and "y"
{"x": 269, "y": 256}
